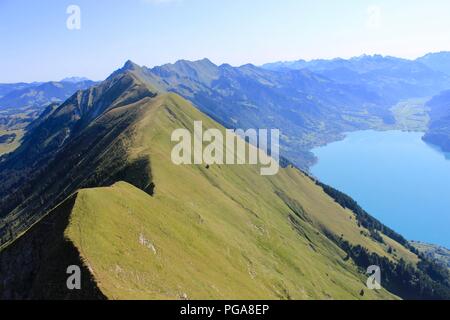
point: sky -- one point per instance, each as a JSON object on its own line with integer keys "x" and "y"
{"x": 38, "y": 45}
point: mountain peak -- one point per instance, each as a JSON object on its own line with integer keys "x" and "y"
{"x": 437, "y": 61}
{"x": 206, "y": 61}
{"x": 130, "y": 65}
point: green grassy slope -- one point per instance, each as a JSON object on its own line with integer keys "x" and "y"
{"x": 217, "y": 232}
{"x": 34, "y": 266}
{"x": 11, "y": 144}
{"x": 143, "y": 247}
{"x": 311, "y": 109}
{"x": 81, "y": 143}
{"x": 411, "y": 115}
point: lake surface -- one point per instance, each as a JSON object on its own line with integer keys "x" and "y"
{"x": 394, "y": 176}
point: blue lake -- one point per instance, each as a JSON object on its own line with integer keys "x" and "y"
{"x": 394, "y": 176}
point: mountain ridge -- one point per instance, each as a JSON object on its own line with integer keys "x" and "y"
{"x": 299, "y": 101}
{"x": 224, "y": 190}
{"x": 110, "y": 146}
{"x": 86, "y": 122}
{"x": 21, "y": 104}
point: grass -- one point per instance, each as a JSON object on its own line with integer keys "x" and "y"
{"x": 411, "y": 115}
{"x": 223, "y": 232}
{"x": 10, "y": 147}
{"x": 217, "y": 233}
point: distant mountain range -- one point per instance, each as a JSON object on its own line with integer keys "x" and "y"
{"x": 75, "y": 79}
{"x": 93, "y": 185}
{"x": 439, "y": 61}
{"x": 22, "y": 103}
{"x": 314, "y": 102}
{"x": 33, "y": 95}
{"x": 309, "y": 108}
{"x": 392, "y": 78}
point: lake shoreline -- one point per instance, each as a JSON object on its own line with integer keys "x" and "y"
{"x": 384, "y": 165}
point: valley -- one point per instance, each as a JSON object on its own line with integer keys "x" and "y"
{"x": 411, "y": 115}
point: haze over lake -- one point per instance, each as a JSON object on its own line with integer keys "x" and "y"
{"x": 396, "y": 177}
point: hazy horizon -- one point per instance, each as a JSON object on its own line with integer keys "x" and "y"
{"x": 219, "y": 64}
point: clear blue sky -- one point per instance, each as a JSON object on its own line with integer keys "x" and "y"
{"x": 37, "y": 46}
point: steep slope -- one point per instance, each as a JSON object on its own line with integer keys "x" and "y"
{"x": 438, "y": 132}
{"x": 203, "y": 232}
{"x": 25, "y": 268}
{"x": 438, "y": 61}
{"x": 434, "y": 252}
{"x": 94, "y": 185}
{"x": 311, "y": 109}
{"x": 10, "y": 140}
{"x": 22, "y": 103}
{"x": 42, "y": 94}
{"x": 74, "y": 145}
{"x": 5, "y": 88}
{"x": 208, "y": 233}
